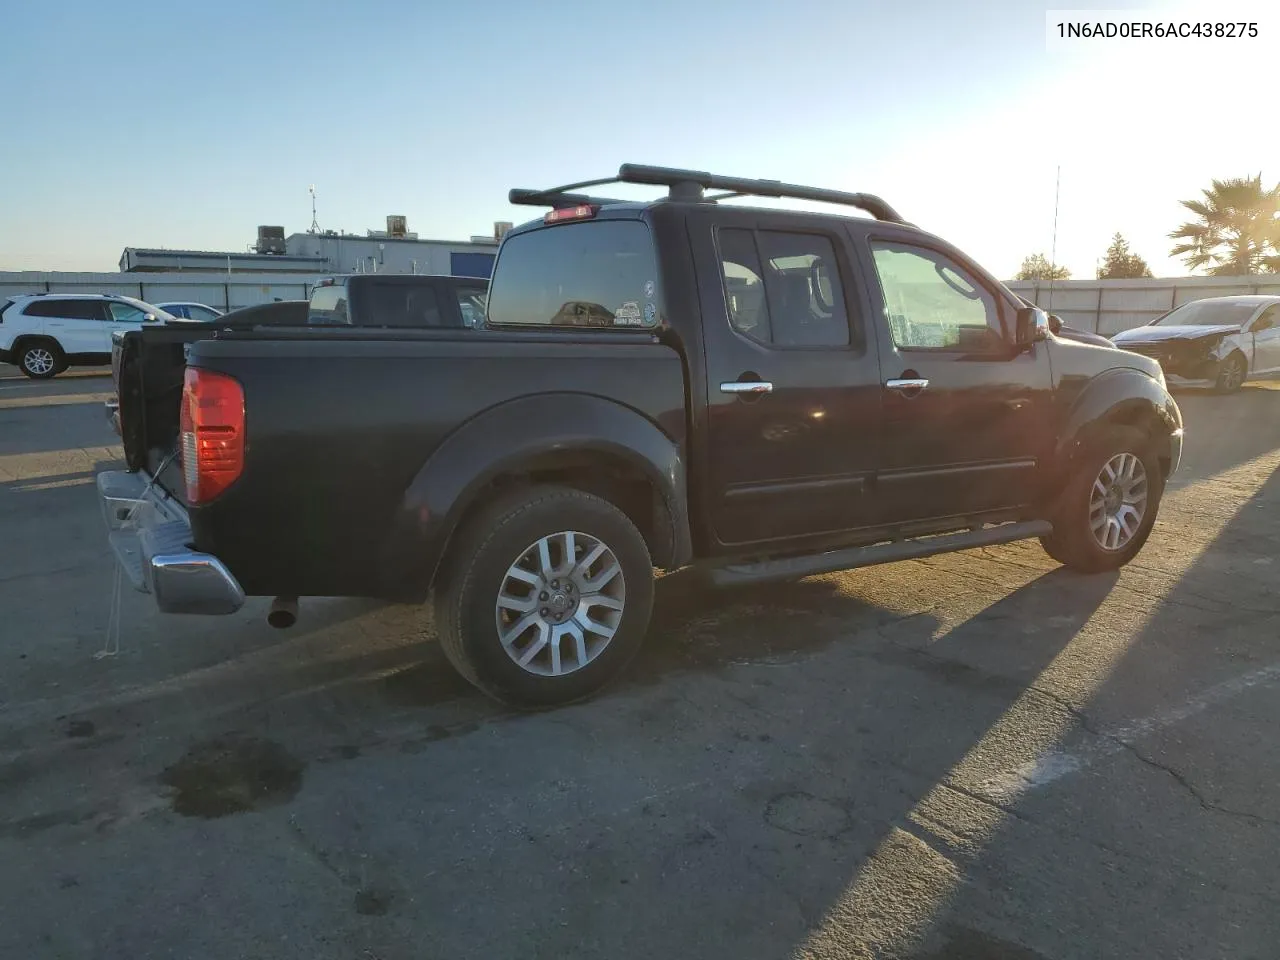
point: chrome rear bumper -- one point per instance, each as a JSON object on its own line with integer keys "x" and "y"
{"x": 150, "y": 535}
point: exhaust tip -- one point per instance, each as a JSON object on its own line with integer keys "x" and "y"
{"x": 283, "y": 612}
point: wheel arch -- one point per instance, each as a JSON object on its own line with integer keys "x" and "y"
{"x": 1121, "y": 397}
{"x": 584, "y": 442}
{"x": 24, "y": 340}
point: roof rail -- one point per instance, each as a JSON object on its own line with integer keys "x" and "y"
{"x": 688, "y": 185}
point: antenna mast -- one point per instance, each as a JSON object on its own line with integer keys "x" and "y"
{"x": 1053, "y": 247}
{"x": 315, "y": 224}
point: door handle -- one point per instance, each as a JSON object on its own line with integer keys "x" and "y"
{"x": 910, "y": 385}
{"x": 746, "y": 386}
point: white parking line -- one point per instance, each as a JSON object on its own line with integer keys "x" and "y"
{"x": 1057, "y": 764}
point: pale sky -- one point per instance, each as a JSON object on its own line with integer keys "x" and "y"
{"x": 186, "y": 126}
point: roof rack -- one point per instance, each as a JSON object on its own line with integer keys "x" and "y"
{"x": 688, "y": 186}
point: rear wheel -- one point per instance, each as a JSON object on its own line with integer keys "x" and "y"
{"x": 1232, "y": 373}
{"x": 1107, "y": 509}
{"x": 545, "y": 598}
{"x": 41, "y": 359}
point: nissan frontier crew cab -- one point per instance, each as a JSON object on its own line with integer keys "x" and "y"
{"x": 759, "y": 393}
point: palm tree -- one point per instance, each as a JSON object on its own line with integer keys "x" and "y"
{"x": 1238, "y": 230}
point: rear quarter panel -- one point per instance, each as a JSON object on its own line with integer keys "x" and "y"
{"x": 338, "y": 430}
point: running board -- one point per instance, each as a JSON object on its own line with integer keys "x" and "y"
{"x": 793, "y": 568}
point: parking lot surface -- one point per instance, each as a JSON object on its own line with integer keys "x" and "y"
{"x": 972, "y": 756}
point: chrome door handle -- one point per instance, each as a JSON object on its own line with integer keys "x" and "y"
{"x": 904, "y": 386}
{"x": 746, "y": 386}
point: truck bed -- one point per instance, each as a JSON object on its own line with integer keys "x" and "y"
{"x": 340, "y": 421}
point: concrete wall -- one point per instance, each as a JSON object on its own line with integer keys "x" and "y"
{"x": 224, "y": 291}
{"x": 1109, "y": 306}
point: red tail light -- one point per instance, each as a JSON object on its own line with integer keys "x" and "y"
{"x": 212, "y": 426}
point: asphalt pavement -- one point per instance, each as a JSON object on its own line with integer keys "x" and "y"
{"x": 972, "y": 756}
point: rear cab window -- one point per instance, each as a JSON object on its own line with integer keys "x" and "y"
{"x": 598, "y": 273}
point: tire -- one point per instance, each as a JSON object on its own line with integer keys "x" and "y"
{"x": 41, "y": 359}
{"x": 493, "y": 574}
{"x": 1232, "y": 373}
{"x": 1074, "y": 542}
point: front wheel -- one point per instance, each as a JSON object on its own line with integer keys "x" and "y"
{"x": 545, "y": 598}
{"x": 1108, "y": 507}
{"x": 1232, "y": 374}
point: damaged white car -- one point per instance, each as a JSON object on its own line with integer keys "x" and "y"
{"x": 1218, "y": 342}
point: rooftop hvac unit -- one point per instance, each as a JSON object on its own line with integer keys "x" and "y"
{"x": 270, "y": 240}
{"x": 396, "y": 226}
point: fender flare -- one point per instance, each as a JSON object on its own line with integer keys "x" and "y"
{"x": 1119, "y": 396}
{"x": 502, "y": 439}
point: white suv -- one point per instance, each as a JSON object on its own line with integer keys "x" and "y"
{"x": 45, "y": 333}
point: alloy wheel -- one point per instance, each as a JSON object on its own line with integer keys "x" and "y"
{"x": 1233, "y": 375}
{"x": 38, "y": 361}
{"x": 560, "y": 603}
{"x": 1118, "y": 502}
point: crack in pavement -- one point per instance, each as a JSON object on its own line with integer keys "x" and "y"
{"x": 1066, "y": 833}
{"x": 1184, "y": 781}
{"x": 1091, "y": 727}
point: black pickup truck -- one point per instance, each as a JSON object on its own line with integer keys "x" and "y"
{"x": 759, "y": 393}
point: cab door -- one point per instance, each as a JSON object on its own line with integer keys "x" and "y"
{"x": 792, "y": 429}
{"x": 1265, "y": 334}
{"x": 73, "y": 323}
{"x": 967, "y": 415}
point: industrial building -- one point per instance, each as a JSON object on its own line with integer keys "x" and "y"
{"x": 317, "y": 252}
{"x": 275, "y": 267}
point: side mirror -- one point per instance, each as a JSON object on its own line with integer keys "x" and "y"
{"x": 1055, "y": 324}
{"x": 150, "y": 318}
{"x": 1032, "y": 326}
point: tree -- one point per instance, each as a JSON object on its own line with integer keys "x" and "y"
{"x": 1237, "y": 232}
{"x": 1038, "y": 267}
{"x": 1121, "y": 264}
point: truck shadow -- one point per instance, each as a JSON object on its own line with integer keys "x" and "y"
{"x": 1128, "y": 670}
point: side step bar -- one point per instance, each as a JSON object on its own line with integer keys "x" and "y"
{"x": 792, "y": 568}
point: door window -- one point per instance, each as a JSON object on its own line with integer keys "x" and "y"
{"x": 932, "y": 303}
{"x": 66, "y": 309}
{"x": 472, "y": 304}
{"x": 782, "y": 288}
{"x": 126, "y": 313}
{"x": 1267, "y": 320}
{"x": 328, "y": 305}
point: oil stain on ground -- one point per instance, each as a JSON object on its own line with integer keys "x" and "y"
{"x": 373, "y": 901}
{"x": 232, "y": 774}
